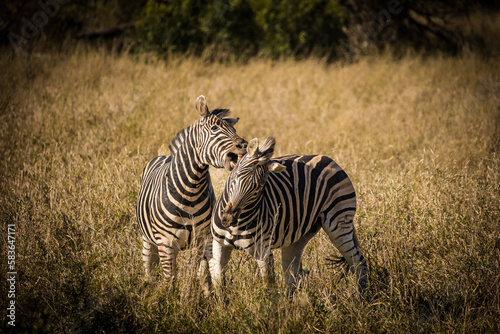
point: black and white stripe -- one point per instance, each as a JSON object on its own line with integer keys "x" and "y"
{"x": 281, "y": 204}
{"x": 175, "y": 199}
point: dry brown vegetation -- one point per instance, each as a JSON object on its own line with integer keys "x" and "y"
{"x": 418, "y": 136}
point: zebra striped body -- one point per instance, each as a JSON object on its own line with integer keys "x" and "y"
{"x": 281, "y": 204}
{"x": 169, "y": 210}
{"x": 175, "y": 200}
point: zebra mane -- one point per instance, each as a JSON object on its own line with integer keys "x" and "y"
{"x": 181, "y": 135}
{"x": 221, "y": 113}
{"x": 178, "y": 140}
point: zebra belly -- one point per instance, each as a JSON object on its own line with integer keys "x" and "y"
{"x": 183, "y": 232}
{"x": 181, "y": 239}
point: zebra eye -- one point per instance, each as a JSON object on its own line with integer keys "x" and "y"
{"x": 214, "y": 128}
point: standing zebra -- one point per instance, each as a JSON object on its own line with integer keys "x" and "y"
{"x": 175, "y": 199}
{"x": 259, "y": 211}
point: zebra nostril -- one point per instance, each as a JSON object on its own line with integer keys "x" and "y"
{"x": 242, "y": 145}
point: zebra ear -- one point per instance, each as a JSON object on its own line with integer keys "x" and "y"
{"x": 268, "y": 145}
{"x": 201, "y": 106}
{"x": 266, "y": 150}
{"x": 276, "y": 167}
{"x": 253, "y": 147}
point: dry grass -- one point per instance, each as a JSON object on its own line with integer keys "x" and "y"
{"x": 418, "y": 137}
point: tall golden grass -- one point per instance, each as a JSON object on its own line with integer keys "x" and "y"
{"x": 419, "y": 137}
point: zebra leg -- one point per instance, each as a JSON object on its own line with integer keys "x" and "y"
{"x": 343, "y": 236}
{"x": 217, "y": 264}
{"x": 266, "y": 267}
{"x": 291, "y": 261}
{"x": 168, "y": 257}
{"x": 150, "y": 256}
{"x": 205, "y": 254}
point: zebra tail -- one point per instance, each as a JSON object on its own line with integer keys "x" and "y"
{"x": 339, "y": 262}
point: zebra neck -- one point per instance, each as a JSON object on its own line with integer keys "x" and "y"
{"x": 251, "y": 214}
{"x": 180, "y": 137}
{"x": 186, "y": 166}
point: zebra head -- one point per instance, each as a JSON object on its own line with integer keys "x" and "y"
{"x": 248, "y": 178}
{"x": 218, "y": 143}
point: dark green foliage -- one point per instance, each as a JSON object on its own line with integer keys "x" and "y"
{"x": 243, "y": 27}
{"x": 228, "y": 29}
{"x": 299, "y": 27}
{"x": 170, "y": 27}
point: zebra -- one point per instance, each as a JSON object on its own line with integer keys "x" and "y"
{"x": 176, "y": 197}
{"x": 281, "y": 204}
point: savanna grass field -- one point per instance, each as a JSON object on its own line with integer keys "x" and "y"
{"x": 419, "y": 137}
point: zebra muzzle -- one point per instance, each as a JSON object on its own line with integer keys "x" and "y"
{"x": 229, "y": 216}
{"x": 235, "y": 153}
